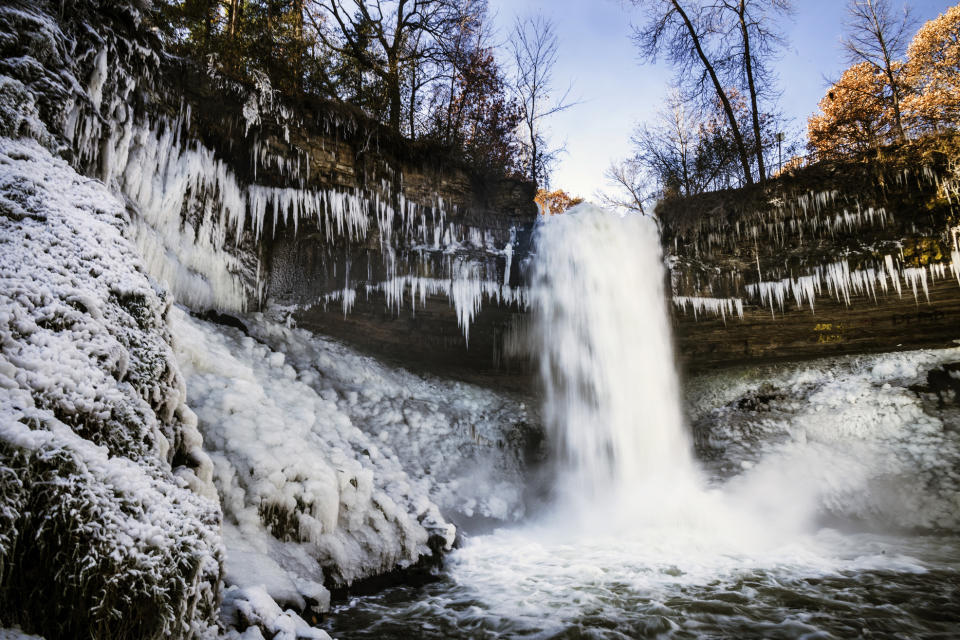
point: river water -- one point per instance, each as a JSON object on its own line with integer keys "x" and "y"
{"x": 814, "y": 500}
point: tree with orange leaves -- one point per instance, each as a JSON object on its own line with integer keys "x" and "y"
{"x": 933, "y": 72}
{"x": 854, "y": 115}
{"x": 553, "y": 202}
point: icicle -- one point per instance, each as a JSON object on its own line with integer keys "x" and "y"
{"x": 914, "y": 274}
{"x": 717, "y": 306}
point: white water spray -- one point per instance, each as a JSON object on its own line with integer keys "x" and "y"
{"x": 612, "y": 400}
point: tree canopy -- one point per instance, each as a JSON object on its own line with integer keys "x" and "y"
{"x": 884, "y": 99}
{"x": 554, "y": 202}
{"x": 425, "y": 69}
{"x": 933, "y": 73}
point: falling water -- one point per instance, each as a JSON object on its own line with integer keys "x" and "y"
{"x": 601, "y": 330}
{"x": 826, "y": 505}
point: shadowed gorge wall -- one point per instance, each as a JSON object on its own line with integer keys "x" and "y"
{"x": 394, "y": 220}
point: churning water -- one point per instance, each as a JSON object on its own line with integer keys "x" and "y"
{"x": 823, "y": 501}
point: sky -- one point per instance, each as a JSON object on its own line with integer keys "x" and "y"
{"x": 615, "y": 91}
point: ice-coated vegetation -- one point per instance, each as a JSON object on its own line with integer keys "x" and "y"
{"x": 109, "y": 522}
{"x": 332, "y": 467}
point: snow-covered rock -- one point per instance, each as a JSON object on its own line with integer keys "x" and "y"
{"x": 108, "y": 514}
{"x": 871, "y": 441}
{"x": 328, "y": 459}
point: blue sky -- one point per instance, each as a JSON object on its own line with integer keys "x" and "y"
{"x": 616, "y": 91}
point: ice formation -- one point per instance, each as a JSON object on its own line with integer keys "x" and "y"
{"x": 93, "y": 421}
{"x": 466, "y": 290}
{"x": 197, "y": 223}
{"x": 722, "y": 307}
{"x": 843, "y": 283}
{"x": 805, "y": 217}
{"x": 868, "y": 446}
{"x": 195, "y": 213}
{"x": 326, "y": 459}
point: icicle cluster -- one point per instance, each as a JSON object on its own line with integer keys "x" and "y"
{"x": 843, "y": 283}
{"x": 466, "y": 293}
{"x": 197, "y": 222}
{"x": 809, "y": 216}
{"x": 722, "y": 307}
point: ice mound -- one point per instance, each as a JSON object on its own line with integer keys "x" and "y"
{"x": 854, "y": 439}
{"x": 327, "y": 459}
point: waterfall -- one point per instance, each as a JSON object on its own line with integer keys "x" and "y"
{"x": 602, "y": 336}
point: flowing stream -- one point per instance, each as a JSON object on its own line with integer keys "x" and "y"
{"x": 819, "y": 500}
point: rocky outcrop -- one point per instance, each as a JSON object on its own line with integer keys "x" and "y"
{"x": 841, "y": 257}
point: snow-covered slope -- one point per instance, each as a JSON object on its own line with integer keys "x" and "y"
{"x": 332, "y": 467}
{"x": 108, "y": 517}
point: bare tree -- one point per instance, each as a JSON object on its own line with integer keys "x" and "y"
{"x": 682, "y": 35}
{"x": 754, "y": 22}
{"x": 632, "y": 186}
{"x": 533, "y": 45}
{"x": 400, "y": 31}
{"x": 686, "y": 150}
{"x": 667, "y": 148}
{"x": 468, "y": 37}
{"x": 878, "y": 34}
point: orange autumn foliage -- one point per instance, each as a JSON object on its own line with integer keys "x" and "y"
{"x": 933, "y": 73}
{"x": 856, "y": 113}
{"x": 853, "y": 115}
{"x": 553, "y": 202}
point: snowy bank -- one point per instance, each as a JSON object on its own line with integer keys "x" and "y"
{"x": 109, "y": 522}
{"x": 333, "y": 467}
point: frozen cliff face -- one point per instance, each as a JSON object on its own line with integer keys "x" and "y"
{"x": 333, "y": 467}
{"x": 108, "y": 511}
{"x": 204, "y": 208}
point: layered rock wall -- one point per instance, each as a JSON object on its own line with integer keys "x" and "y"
{"x": 841, "y": 257}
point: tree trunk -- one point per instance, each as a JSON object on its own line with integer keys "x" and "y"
{"x": 748, "y": 65}
{"x": 413, "y": 104}
{"x": 533, "y": 161}
{"x": 299, "y": 48}
{"x": 393, "y": 95}
{"x": 233, "y": 15}
{"x": 894, "y": 89}
{"x": 727, "y": 109}
{"x": 888, "y": 71}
